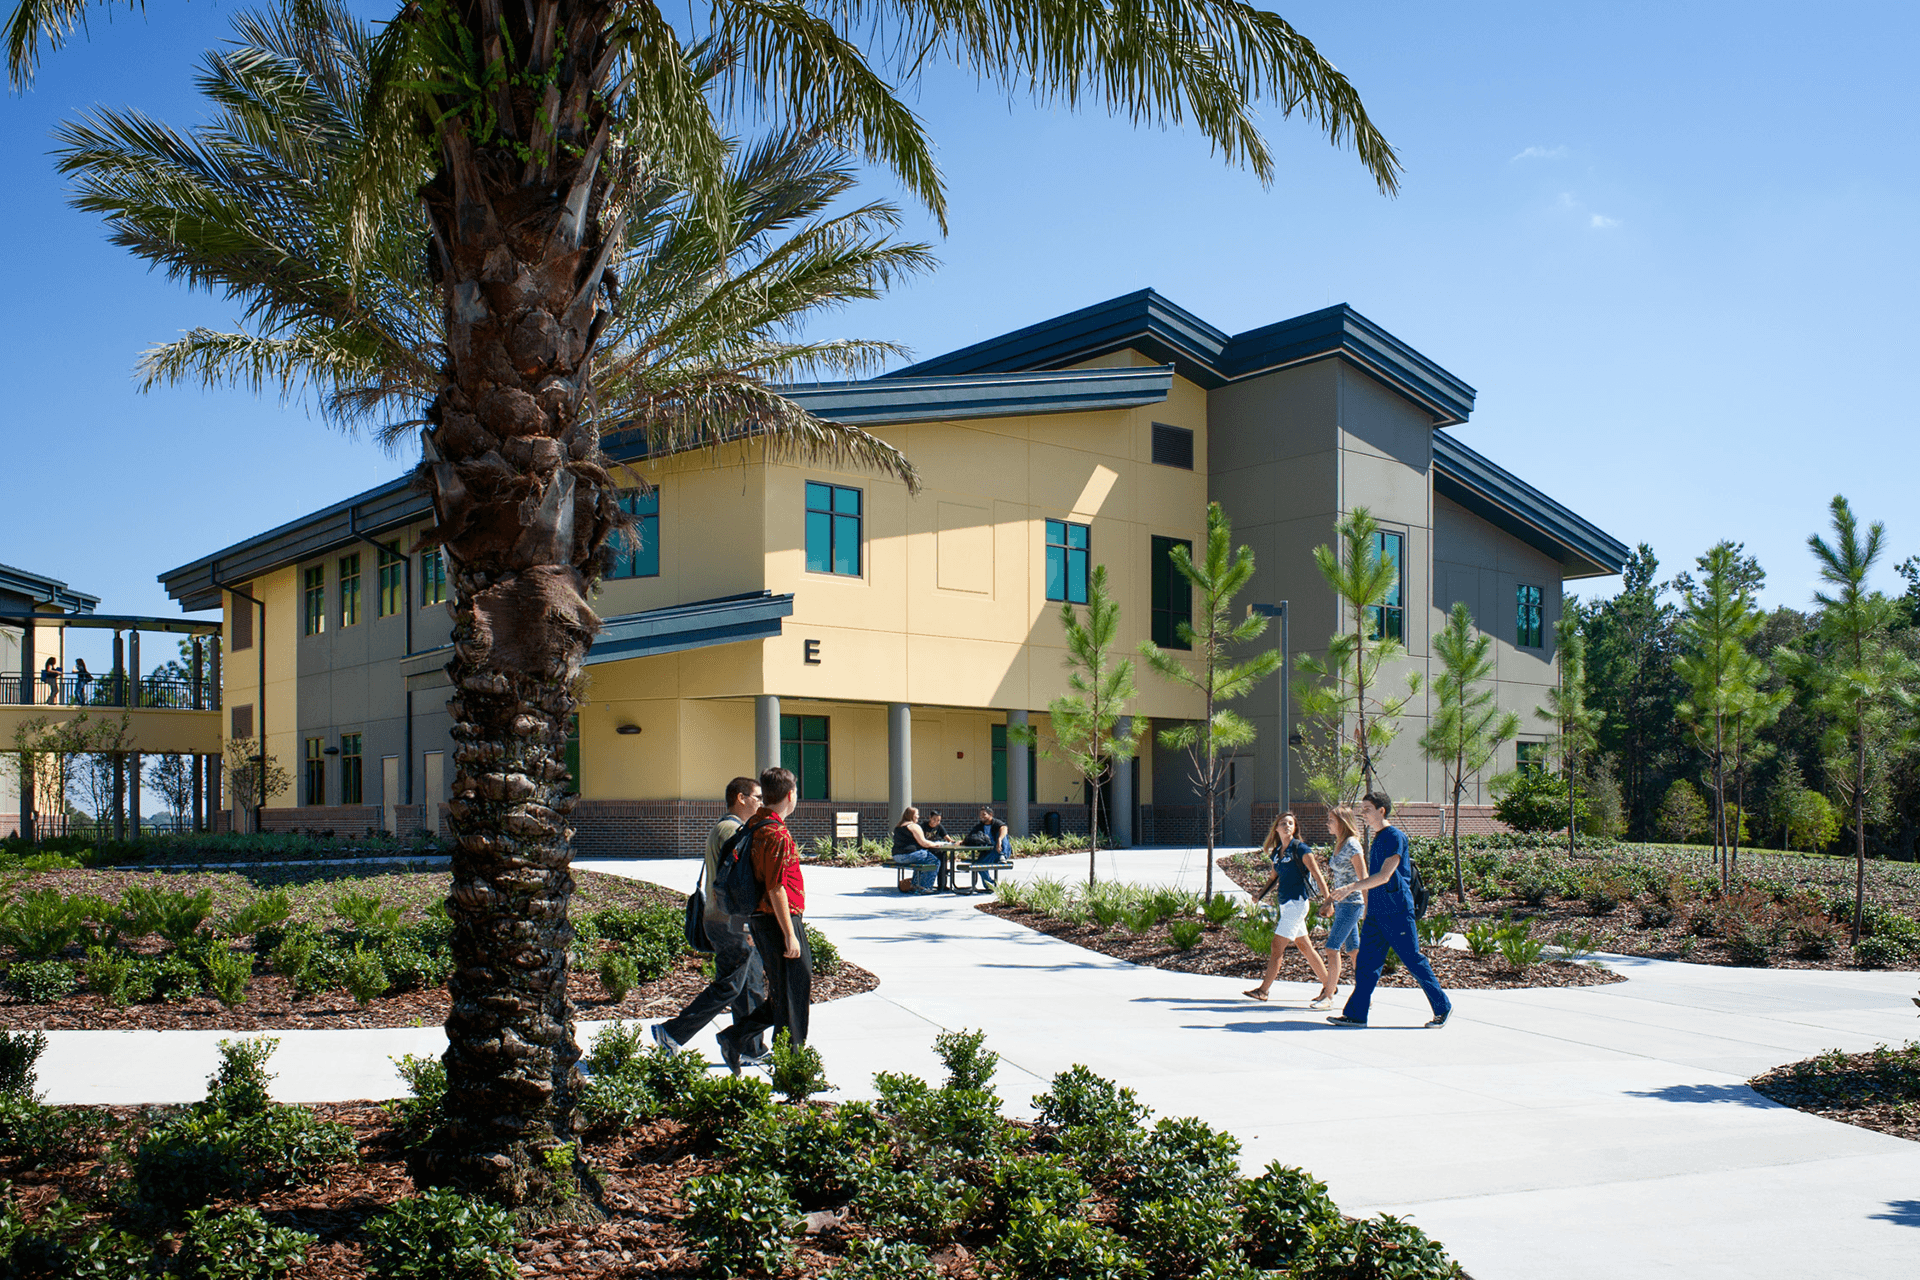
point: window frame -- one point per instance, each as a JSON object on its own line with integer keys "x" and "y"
{"x": 794, "y": 727}
{"x": 1529, "y": 616}
{"x": 1164, "y": 617}
{"x": 349, "y": 592}
{"x": 352, "y": 768}
{"x": 631, "y": 562}
{"x": 313, "y": 600}
{"x": 391, "y": 567}
{"x": 1530, "y": 756}
{"x": 240, "y": 621}
{"x": 314, "y": 779}
{"x": 1388, "y": 620}
{"x": 1066, "y": 557}
{"x": 839, "y": 524}
{"x": 433, "y": 577}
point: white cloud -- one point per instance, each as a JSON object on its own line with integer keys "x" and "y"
{"x": 1600, "y": 222}
{"x": 1541, "y": 153}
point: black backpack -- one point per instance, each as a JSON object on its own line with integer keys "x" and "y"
{"x": 734, "y": 883}
{"x": 1421, "y": 898}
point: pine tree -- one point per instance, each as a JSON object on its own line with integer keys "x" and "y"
{"x": 1468, "y": 726}
{"x": 1575, "y": 724}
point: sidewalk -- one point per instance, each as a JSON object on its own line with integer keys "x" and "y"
{"x": 1551, "y": 1134}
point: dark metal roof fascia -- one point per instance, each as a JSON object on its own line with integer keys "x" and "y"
{"x": 676, "y": 628}
{"x": 1142, "y": 320}
{"x": 27, "y": 583}
{"x": 1340, "y": 330}
{"x": 122, "y": 622}
{"x": 1510, "y": 503}
{"x": 992, "y": 395}
{"x": 396, "y": 502}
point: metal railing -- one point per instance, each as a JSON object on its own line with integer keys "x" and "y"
{"x": 110, "y": 690}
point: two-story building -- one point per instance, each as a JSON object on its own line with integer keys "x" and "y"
{"x": 880, "y": 643}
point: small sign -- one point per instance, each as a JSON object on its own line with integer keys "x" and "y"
{"x": 811, "y": 652}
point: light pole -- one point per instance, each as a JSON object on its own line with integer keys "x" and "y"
{"x": 1286, "y": 671}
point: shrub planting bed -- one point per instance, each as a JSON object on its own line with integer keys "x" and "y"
{"x": 1169, "y": 929}
{"x": 1879, "y": 1089}
{"x": 194, "y": 848}
{"x": 313, "y": 947}
{"x": 871, "y": 853}
{"x": 700, "y": 1175}
{"x": 1666, "y": 903}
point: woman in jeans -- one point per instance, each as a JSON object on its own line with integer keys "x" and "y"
{"x": 912, "y": 848}
{"x": 1349, "y": 867}
{"x": 1294, "y": 874}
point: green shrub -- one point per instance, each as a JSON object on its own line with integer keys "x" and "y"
{"x": 41, "y": 924}
{"x": 116, "y": 976}
{"x": 619, "y": 973}
{"x": 1091, "y": 1120}
{"x": 1220, "y": 908}
{"x": 1536, "y": 801}
{"x": 1433, "y": 928}
{"x": 669, "y": 1076}
{"x": 298, "y": 958}
{"x": 917, "y": 1204}
{"x": 62, "y": 1245}
{"x": 33, "y": 1135}
{"x": 884, "y": 1260}
{"x": 1022, "y": 1182}
{"x": 1040, "y": 1246}
{"x": 419, "y": 1115}
{"x": 1281, "y": 1212}
{"x": 741, "y": 1226}
{"x": 417, "y": 955}
{"x": 970, "y": 1064}
{"x": 1520, "y": 949}
{"x": 1749, "y": 944}
{"x": 823, "y": 1160}
{"x": 363, "y": 975}
{"x": 237, "y": 1244}
{"x": 1382, "y": 1248}
{"x": 1256, "y": 931}
{"x": 653, "y": 937}
{"x": 19, "y": 1055}
{"x": 616, "y": 1102}
{"x": 942, "y": 1129}
{"x": 367, "y": 912}
{"x": 227, "y": 974}
{"x": 173, "y": 977}
{"x": 442, "y": 1235}
{"x": 41, "y": 981}
{"x": 1181, "y": 1159}
{"x": 1880, "y": 952}
{"x": 180, "y": 915}
{"x": 268, "y": 911}
{"x": 1106, "y": 912}
{"x": 798, "y": 1073}
{"x": 718, "y": 1104}
{"x": 826, "y": 956}
{"x": 1176, "y": 1237}
{"x": 1655, "y": 914}
{"x": 1483, "y": 938}
{"x": 1602, "y": 892}
{"x": 615, "y": 1047}
{"x": 1184, "y": 933}
{"x": 1575, "y": 947}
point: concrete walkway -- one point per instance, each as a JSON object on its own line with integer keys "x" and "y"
{"x": 1554, "y": 1134}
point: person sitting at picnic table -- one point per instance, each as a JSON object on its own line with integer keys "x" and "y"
{"x": 933, "y": 828}
{"x": 991, "y": 833}
{"x": 912, "y": 848}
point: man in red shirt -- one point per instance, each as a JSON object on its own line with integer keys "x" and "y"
{"x": 778, "y": 925}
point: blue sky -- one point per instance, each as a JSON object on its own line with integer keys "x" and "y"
{"x": 1671, "y": 246}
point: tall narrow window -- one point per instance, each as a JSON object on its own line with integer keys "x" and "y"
{"x": 642, "y": 561}
{"x": 433, "y": 576}
{"x": 316, "y": 778}
{"x": 240, "y": 620}
{"x": 314, "y": 599}
{"x": 350, "y": 768}
{"x": 833, "y": 529}
{"x": 1067, "y": 549}
{"x": 1529, "y": 630}
{"x": 1388, "y": 620}
{"x": 393, "y": 580}
{"x": 243, "y": 720}
{"x": 1172, "y": 595}
{"x": 350, "y": 589}
{"x": 1530, "y": 757}
{"x": 804, "y": 750}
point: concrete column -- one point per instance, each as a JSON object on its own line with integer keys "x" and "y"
{"x": 1018, "y": 798}
{"x": 1122, "y": 819}
{"x": 899, "y": 760}
{"x": 213, "y": 790}
{"x": 119, "y": 670}
{"x": 196, "y": 674}
{"x": 27, "y": 674}
{"x": 119, "y": 796}
{"x": 134, "y": 762}
{"x": 766, "y": 731}
{"x": 199, "y": 767}
{"x": 133, "y": 670}
{"x": 25, "y": 773}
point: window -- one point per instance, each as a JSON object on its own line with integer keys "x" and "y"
{"x": 803, "y": 749}
{"x": 1529, "y": 632}
{"x": 433, "y": 577}
{"x": 350, "y": 589}
{"x": 242, "y": 621}
{"x": 314, "y": 599}
{"x": 833, "y": 529}
{"x": 1389, "y": 618}
{"x": 1172, "y": 595}
{"x": 350, "y": 768}
{"x": 1000, "y": 767}
{"x": 1172, "y": 446}
{"x": 1067, "y": 561}
{"x": 243, "y": 721}
{"x": 393, "y": 580}
{"x": 1530, "y": 757}
{"x": 316, "y": 775}
{"x": 642, "y": 561}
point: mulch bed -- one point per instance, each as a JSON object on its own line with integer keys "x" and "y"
{"x": 1221, "y": 953}
{"x": 1621, "y": 931}
{"x": 1877, "y": 1090}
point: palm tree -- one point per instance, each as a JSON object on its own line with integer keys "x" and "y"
{"x": 537, "y": 127}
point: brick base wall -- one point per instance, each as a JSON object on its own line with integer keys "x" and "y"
{"x": 678, "y": 828}
{"x": 340, "y": 819}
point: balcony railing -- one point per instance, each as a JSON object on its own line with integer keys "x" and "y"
{"x": 110, "y": 690}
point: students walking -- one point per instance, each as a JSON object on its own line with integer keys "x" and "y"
{"x": 779, "y": 925}
{"x": 738, "y": 976}
{"x": 1389, "y": 921}
{"x": 1348, "y": 866}
{"x": 1293, "y": 866}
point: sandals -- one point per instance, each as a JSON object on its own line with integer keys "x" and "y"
{"x": 1256, "y": 994}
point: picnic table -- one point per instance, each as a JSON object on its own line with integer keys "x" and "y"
{"x": 949, "y": 854}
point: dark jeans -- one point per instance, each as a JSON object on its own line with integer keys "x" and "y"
{"x": 739, "y": 980}
{"x": 789, "y": 984}
{"x": 1380, "y": 930}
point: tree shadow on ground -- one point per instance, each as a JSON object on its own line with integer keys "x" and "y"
{"x": 1738, "y": 1094}
{"x": 1902, "y": 1213}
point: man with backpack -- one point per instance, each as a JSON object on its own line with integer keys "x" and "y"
{"x": 738, "y": 976}
{"x": 1389, "y": 921}
{"x": 778, "y": 923}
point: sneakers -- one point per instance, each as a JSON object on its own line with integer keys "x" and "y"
{"x": 759, "y": 1059}
{"x": 1342, "y": 1020}
{"x": 665, "y": 1041}
{"x": 1320, "y": 1002}
{"x": 729, "y": 1051}
{"x": 1440, "y": 1021}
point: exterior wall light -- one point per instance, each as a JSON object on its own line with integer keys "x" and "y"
{"x": 627, "y": 728}
{"x": 330, "y": 751}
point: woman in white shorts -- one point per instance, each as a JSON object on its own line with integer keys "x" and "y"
{"x": 1295, "y": 873}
